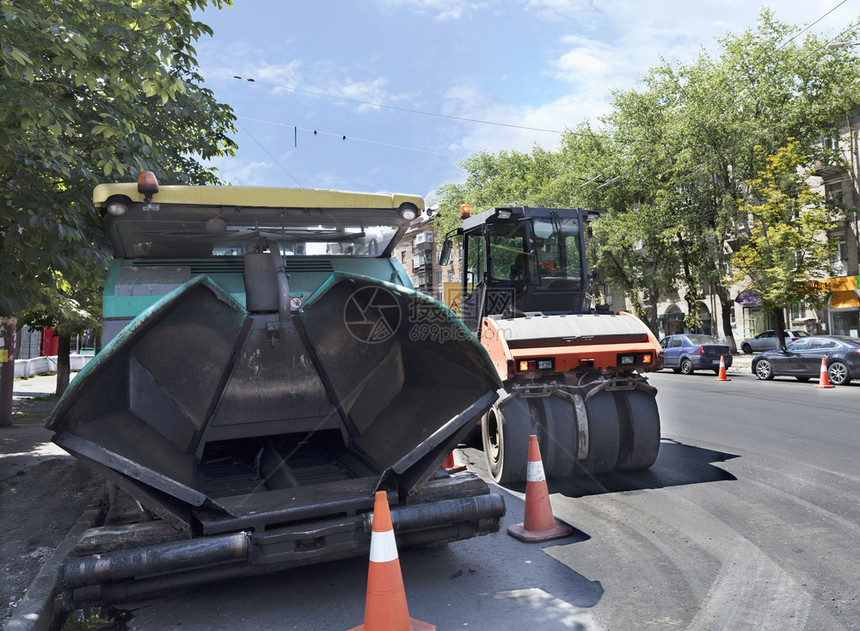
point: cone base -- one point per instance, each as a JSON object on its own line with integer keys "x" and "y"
{"x": 826, "y": 385}
{"x": 414, "y": 625}
{"x": 558, "y": 530}
{"x": 452, "y": 467}
{"x": 721, "y": 378}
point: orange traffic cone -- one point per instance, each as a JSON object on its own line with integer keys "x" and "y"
{"x": 824, "y": 378}
{"x": 385, "y": 608}
{"x": 539, "y": 524}
{"x": 722, "y": 375}
{"x": 451, "y": 466}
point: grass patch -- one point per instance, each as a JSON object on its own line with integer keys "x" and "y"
{"x": 27, "y": 417}
{"x": 47, "y": 397}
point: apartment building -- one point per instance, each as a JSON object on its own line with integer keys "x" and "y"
{"x": 418, "y": 252}
{"x": 841, "y": 312}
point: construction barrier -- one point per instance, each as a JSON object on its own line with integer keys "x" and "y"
{"x": 824, "y": 377}
{"x": 385, "y": 608}
{"x": 539, "y": 523}
{"x": 722, "y": 374}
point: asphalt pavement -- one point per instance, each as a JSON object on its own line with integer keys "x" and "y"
{"x": 25, "y": 444}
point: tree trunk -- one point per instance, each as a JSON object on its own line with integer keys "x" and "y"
{"x": 64, "y": 346}
{"x": 7, "y": 369}
{"x": 779, "y": 328}
{"x": 726, "y": 306}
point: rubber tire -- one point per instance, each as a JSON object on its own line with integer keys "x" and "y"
{"x": 837, "y": 372}
{"x": 676, "y": 370}
{"x": 686, "y": 367}
{"x": 604, "y": 434}
{"x": 505, "y": 434}
{"x": 763, "y": 370}
{"x": 557, "y": 435}
{"x": 640, "y": 435}
{"x": 747, "y": 349}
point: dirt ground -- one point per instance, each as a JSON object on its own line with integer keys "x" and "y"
{"x": 43, "y": 492}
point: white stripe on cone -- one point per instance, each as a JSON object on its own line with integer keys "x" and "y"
{"x": 383, "y": 547}
{"x": 535, "y": 473}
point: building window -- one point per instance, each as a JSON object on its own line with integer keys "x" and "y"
{"x": 833, "y": 192}
{"x": 839, "y": 258}
{"x": 450, "y": 276}
{"x": 830, "y": 144}
{"x": 403, "y": 256}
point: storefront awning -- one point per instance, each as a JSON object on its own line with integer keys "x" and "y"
{"x": 841, "y": 283}
{"x": 844, "y": 299}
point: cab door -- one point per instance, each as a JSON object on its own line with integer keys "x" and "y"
{"x": 474, "y": 281}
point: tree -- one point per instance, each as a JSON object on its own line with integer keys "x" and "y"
{"x": 667, "y": 166}
{"x": 89, "y": 90}
{"x": 508, "y": 177}
{"x": 690, "y": 137}
{"x": 786, "y": 254}
{"x": 71, "y": 308}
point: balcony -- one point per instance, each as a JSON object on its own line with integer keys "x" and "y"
{"x": 423, "y": 241}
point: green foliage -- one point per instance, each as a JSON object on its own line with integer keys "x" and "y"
{"x": 92, "y": 90}
{"x": 670, "y": 163}
{"x": 785, "y": 253}
{"x": 69, "y": 306}
{"x": 506, "y": 178}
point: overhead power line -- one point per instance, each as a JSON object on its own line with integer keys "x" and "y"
{"x": 344, "y": 136}
{"x": 402, "y": 109}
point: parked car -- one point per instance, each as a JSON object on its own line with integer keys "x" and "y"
{"x": 802, "y": 359}
{"x": 767, "y": 340}
{"x": 689, "y": 352}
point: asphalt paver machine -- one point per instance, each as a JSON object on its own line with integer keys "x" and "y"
{"x": 260, "y": 382}
{"x": 573, "y": 374}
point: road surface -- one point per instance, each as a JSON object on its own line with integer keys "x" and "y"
{"x": 748, "y": 520}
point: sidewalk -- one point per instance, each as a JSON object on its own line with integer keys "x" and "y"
{"x": 45, "y": 494}
{"x": 27, "y": 443}
{"x": 741, "y": 365}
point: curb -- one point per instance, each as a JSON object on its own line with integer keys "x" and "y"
{"x": 37, "y": 610}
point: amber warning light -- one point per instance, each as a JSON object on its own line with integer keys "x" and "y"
{"x": 147, "y": 184}
{"x": 630, "y": 360}
{"x": 465, "y": 211}
{"x": 535, "y": 364}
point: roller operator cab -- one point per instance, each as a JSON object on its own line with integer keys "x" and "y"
{"x": 262, "y": 381}
{"x": 572, "y": 374}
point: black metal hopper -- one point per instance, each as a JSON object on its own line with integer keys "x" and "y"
{"x": 209, "y": 414}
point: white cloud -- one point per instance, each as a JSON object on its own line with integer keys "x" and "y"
{"x": 561, "y": 9}
{"x": 287, "y": 74}
{"x": 585, "y": 59}
{"x": 242, "y": 174}
{"x": 441, "y": 9}
{"x": 557, "y": 115}
{"x": 370, "y": 91}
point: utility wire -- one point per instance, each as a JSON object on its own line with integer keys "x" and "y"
{"x": 809, "y": 26}
{"x": 269, "y": 153}
{"x": 402, "y": 109}
{"x": 457, "y": 118}
{"x": 344, "y": 136}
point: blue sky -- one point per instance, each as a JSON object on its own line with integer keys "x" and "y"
{"x": 405, "y": 81}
